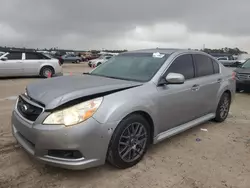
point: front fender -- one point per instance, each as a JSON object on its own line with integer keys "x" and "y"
{"x": 114, "y": 111}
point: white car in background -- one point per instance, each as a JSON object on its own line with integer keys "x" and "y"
{"x": 96, "y": 62}
{"x": 16, "y": 63}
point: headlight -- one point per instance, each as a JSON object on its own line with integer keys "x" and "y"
{"x": 75, "y": 114}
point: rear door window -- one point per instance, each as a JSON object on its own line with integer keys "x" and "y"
{"x": 32, "y": 56}
{"x": 182, "y": 65}
{"x": 204, "y": 65}
{"x": 14, "y": 56}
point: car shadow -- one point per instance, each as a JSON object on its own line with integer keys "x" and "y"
{"x": 19, "y": 77}
{"x": 27, "y": 77}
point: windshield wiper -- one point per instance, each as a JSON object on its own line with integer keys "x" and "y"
{"x": 119, "y": 78}
{"x": 113, "y": 77}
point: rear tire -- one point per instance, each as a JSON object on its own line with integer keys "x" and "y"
{"x": 129, "y": 142}
{"x": 46, "y": 71}
{"x": 99, "y": 64}
{"x": 223, "y": 107}
{"x": 77, "y": 61}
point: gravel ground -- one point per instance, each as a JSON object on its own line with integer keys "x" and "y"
{"x": 219, "y": 160}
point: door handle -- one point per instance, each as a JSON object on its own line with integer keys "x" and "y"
{"x": 219, "y": 80}
{"x": 195, "y": 87}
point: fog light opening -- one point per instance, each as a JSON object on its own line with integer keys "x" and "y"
{"x": 65, "y": 154}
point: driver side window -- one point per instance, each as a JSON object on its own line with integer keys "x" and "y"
{"x": 182, "y": 65}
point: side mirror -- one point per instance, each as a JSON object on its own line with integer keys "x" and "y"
{"x": 4, "y": 58}
{"x": 175, "y": 78}
{"x": 172, "y": 78}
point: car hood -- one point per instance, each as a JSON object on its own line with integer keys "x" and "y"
{"x": 54, "y": 92}
{"x": 243, "y": 70}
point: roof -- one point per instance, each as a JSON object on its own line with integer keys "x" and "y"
{"x": 160, "y": 50}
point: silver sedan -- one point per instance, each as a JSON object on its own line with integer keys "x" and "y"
{"x": 115, "y": 112}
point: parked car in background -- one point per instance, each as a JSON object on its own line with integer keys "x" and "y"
{"x": 117, "y": 110}
{"x": 28, "y": 64}
{"x": 242, "y": 58}
{"x": 234, "y": 63}
{"x": 52, "y": 56}
{"x": 222, "y": 55}
{"x": 71, "y": 58}
{"x": 243, "y": 76}
{"x": 223, "y": 58}
{"x": 228, "y": 63}
{"x": 92, "y": 56}
{"x": 96, "y": 62}
{"x": 227, "y": 60}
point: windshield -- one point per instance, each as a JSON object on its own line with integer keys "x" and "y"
{"x": 246, "y": 64}
{"x": 131, "y": 66}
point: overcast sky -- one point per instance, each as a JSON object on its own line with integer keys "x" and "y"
{"x": 125, "y": 24}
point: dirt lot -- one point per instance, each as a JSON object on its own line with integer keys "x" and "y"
{"x": 219, "y": 160}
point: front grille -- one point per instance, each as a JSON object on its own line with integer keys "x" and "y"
{"x": 242, "y": 76}
{"x": 27, "y": 110}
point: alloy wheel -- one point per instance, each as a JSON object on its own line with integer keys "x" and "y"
{"x": 47, "y": 72}
{"x": 132, "y": 142}
{"x": 224, "y": 107}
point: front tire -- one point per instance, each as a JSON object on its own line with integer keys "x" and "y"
{"x": 47, "y": 72}
{"x": 77, "y": 61}
{"x": 223, "y": 107}
{"x": 129, "y": 142}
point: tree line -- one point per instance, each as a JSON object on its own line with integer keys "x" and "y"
{"x": 232, "y": 51}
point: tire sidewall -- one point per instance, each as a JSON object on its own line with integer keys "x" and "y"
{"x": 113, "y": 154}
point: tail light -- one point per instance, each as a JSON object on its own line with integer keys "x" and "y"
{"x": 234, "y": 75}
{"x": 60, "y": 61}
{"x": 94, "y": 66}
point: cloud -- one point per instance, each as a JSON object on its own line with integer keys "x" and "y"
{"x": 128, "y": 24}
